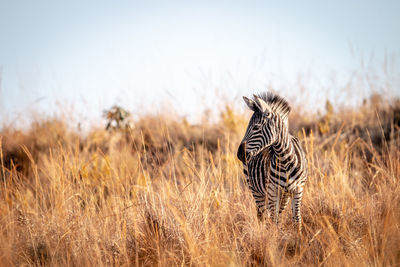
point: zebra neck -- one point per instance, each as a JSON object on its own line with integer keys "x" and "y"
{"x": 282, "y": 152}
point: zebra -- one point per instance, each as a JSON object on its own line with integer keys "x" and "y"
{"x": 274, "y": 163}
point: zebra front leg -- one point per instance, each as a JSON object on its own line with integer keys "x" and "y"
{"x": 284, "y": 200}
{"x": 274, "y": 196}
{"x": 260, "y": 202}
{"x": 296, "y": 205}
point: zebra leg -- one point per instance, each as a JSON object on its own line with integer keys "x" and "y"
{"x": 296, "y": 204}
{"x": 260, "y": 202}
{"x": 283, "y": 201}
{"x": 274, "y": 195}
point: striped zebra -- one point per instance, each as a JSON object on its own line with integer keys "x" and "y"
{"x": 273, "y": 161}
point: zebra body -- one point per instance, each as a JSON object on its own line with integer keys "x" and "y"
{"x": 274, "y": 163}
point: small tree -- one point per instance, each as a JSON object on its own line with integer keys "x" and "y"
{"x": 117, "y": 118}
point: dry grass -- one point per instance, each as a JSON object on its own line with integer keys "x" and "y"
{"x": 170, "y": 193}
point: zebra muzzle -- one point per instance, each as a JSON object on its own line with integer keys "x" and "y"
{"x": 241, "y": 153}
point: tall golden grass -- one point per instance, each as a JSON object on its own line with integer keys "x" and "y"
{"x": 167, "y": 192}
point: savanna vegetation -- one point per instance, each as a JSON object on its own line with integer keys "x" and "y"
{"x": 163, "y": 191}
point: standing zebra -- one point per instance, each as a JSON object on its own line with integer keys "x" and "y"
{"x": 273, "y": 161}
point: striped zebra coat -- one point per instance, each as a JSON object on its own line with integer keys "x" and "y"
{"x": 274, "y": 163}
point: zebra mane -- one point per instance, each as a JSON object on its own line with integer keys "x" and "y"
{"x": 277, "y": 103}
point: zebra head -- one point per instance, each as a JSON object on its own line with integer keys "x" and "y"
{"x": 267, "y": 122}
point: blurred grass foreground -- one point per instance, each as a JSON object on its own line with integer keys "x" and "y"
{"x": 168, "y": 192}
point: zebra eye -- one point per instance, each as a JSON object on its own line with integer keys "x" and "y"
{"x": 257, "y": 126}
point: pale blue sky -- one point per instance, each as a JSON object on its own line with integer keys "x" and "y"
{"x": 93, "y": 54}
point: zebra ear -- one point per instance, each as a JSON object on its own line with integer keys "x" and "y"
{"x": 264, "y": 107}
{"x": 251, "y": 104}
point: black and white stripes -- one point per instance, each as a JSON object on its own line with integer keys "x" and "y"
{"x": 274, "y": 164}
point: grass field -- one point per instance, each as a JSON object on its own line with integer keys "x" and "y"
{"x": 167, "y": 192}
